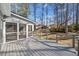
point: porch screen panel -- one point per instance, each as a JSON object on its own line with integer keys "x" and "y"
{"x": 11, "y": 31}
{"x": 22, "y": 31}
{"x": 29, "y": 30}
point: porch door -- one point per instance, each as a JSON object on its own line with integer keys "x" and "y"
{"x": 29, "y": 30}
{"x": 22, "y": 31}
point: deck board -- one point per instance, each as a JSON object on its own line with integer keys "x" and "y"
{"x": 33, "y": 46}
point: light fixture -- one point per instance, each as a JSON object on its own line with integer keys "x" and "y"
{"x": 2, "y": 16}
{"x": 5, "y": 11}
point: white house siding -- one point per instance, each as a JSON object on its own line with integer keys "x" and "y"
{"x": 5, "y": 9}
{"x": 0, "y": 31}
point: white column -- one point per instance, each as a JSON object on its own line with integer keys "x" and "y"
{"x": 26, "y": 30}
{"x": 17, "y": 31}
{"x": 32, "y": 29}
{"x": 4, "y": 32}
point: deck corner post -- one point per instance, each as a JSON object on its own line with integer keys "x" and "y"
{"x": 73, "y": 42}
{"x": 78, "y": 46}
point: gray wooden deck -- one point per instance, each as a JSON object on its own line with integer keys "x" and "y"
{"x": 35, "y": 47}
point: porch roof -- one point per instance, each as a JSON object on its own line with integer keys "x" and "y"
{"x": 22, "y": 18}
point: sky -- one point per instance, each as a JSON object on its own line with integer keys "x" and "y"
{"x": 39, "y": 6}
{"x": 47, "y": 18}
{"x": 50, "y": 14}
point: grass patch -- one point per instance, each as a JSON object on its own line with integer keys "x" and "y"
{"x": 64, "y": 41}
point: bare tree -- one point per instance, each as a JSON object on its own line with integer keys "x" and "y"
{"x": 34, "y": 6}
{"x": 56, "y": 15}
{"x": 77, "y": 16}
{"x": 73, "y": 12}
{"x": 66, "y": 18}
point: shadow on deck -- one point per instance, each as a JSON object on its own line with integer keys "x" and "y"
{"x": 35, "y": 47}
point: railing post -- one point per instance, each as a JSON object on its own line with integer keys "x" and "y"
{"x": 56, "y": 39}
{"x": 78, "y": 46}
{"x": 73, "y": 42}
{"x": 77, "y": 37}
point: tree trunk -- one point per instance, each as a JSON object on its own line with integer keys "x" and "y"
{"x": 66, "y": 22}
{"x": 76, "y": 17}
